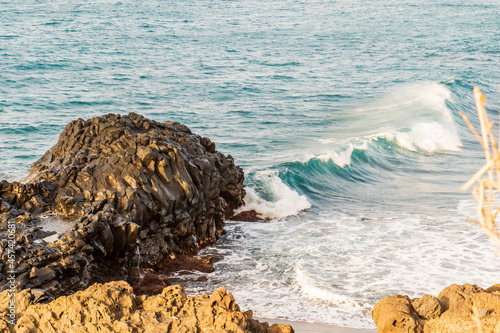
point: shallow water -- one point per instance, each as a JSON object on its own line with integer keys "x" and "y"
{"x": 344, "y": 115}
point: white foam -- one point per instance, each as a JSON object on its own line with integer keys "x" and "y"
{"x": 430, "y": 137}
{"x": 425, "y": 122}
{"x": 309, "y": 289}
{"x": 286, "y": 201}
{"x": 414, "y": 117}
{"x": 332, "y": 268}
{"x": 341, "y": 158}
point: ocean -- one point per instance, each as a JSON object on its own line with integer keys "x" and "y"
{"x": 343, "y": 114}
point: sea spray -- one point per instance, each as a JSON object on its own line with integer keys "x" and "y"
{"x": 138, "y": 246}
{"x": 413, "y": 117}
{"x": 138, "y": 255}
{"x": 280, "y": 200}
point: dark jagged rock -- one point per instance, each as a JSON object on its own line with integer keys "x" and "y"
{"x": 136, "y": 191}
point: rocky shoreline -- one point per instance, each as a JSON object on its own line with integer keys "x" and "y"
{"x": 113, "y": 307}
{"x": 139, "y": 198}
{"x": 136, "y": 196}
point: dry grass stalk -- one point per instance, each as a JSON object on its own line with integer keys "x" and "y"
{"x": 488, "y": 177}
{"x": 476, "y": 319}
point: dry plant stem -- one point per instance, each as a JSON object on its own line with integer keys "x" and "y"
{"x": 488, "y": 176}
{"x": 476, "y": 319}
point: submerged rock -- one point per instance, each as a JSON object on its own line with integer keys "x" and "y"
{"x": 113, "y": 307}
{"x": 247, "y": 216}
{"x": 456, "y": 309}
{"x": 136, "y": 191}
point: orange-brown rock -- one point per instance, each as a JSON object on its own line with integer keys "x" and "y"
{"x": 458, "y": 308}
{"x": 427, "y": 307}
{"x": 246, "y": 216}
{"x": 113, "y": 307}
{"x": 395, "y": 314}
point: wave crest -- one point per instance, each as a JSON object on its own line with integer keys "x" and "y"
{"x": 429, "y": 137}
{"x": 280, "y": 201}
{"x": 414, "y": 118}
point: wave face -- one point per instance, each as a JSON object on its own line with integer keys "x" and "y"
{"x": 371, "y": 209}
{"x": 343, "y": 114}
{"x": 371, "y": 160}
{"x": 413, "y": 117}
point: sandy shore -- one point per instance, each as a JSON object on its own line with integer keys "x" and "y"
{"x": 302, "y": 327}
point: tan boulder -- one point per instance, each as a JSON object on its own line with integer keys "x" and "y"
{"x": 396, "y": 314}
{"x": 458, "y": 301}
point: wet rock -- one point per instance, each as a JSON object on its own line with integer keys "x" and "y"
{"x": 113, "y": 307}
{"x": 186, "y": 262}
{"x": 246, "y": 216}
{"x": 147, "y": 281}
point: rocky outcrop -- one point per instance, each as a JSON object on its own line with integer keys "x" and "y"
{"x": 134, "y": 191}
{"x": 113, "y": 307}
{"x": 456, "y": 309}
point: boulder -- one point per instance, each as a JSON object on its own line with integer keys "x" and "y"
{"x": 247, "y": 216}
{"x": 394, "y": 314}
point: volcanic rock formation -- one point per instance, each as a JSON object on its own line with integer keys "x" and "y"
{"x": 133, "y": 190}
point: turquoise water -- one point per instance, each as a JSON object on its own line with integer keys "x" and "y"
{"x": 344, "y": 115}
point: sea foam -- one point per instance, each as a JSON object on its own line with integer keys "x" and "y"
{"x": 332, "y": 268}
{"x": 283, "y": 201}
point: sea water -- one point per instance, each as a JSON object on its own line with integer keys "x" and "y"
{"x": 343, "y": 114}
